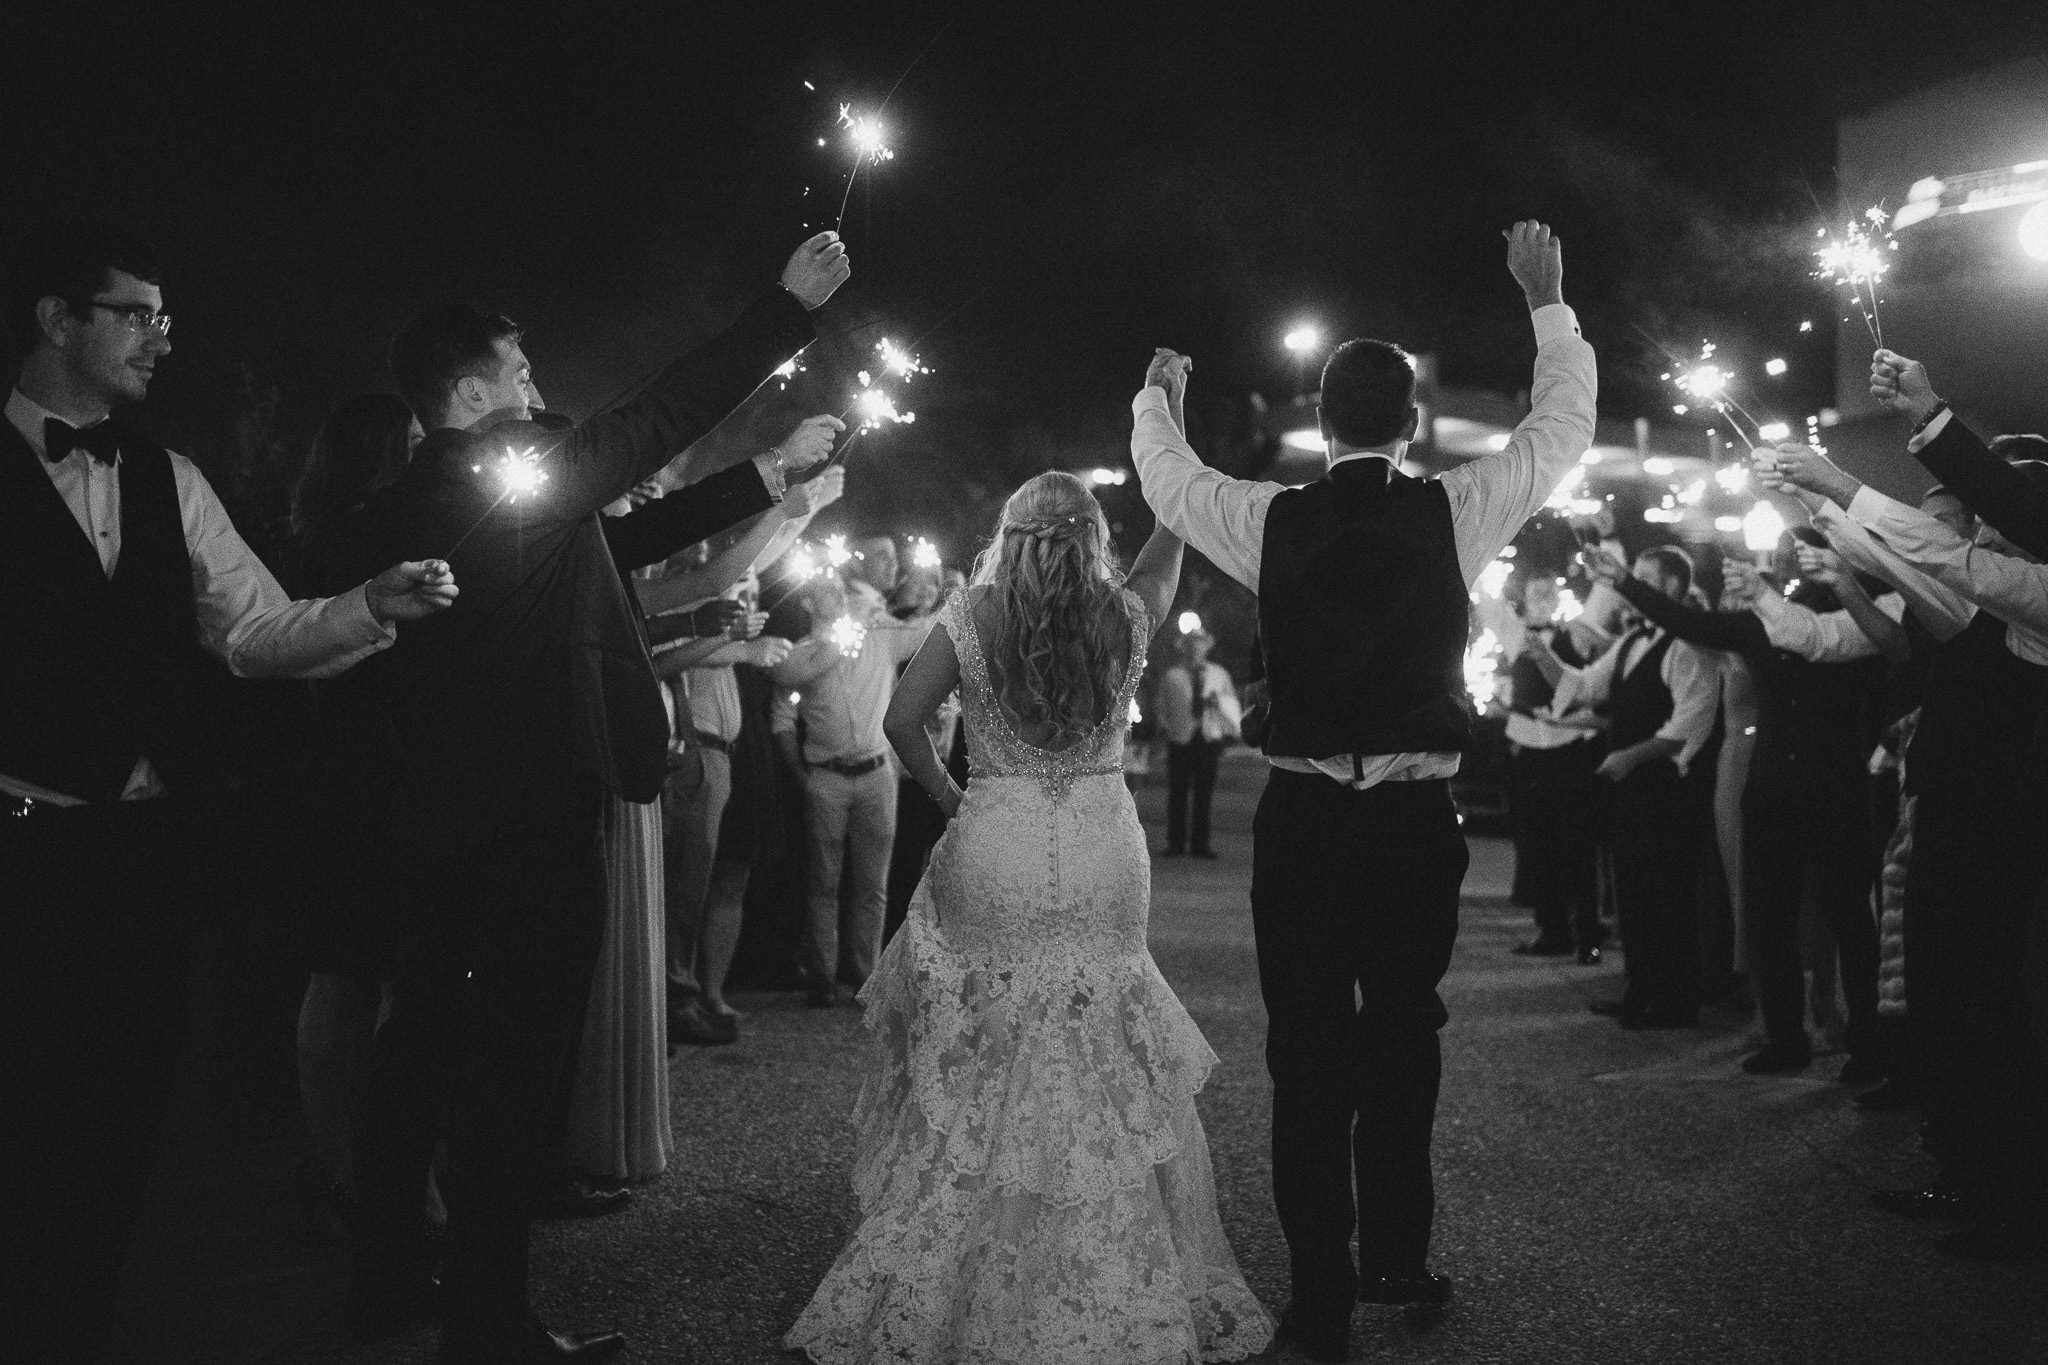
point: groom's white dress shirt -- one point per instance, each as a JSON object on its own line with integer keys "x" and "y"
{"x": 245, "y": 618}
{"x": 1490, "y": 498}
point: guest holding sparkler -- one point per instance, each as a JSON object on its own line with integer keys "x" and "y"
{"x": 517, "y": 719}
{"x": 842, "y": 676}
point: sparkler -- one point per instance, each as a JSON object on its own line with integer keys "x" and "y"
{"x": 1859, "y": 258}
{"x": 870, "y": 144}
{"x": 1708, "y": 385}
{"x": 1482, "y": 670}
{"x": 848, "y": 635}
{"x": 924, "y": 554}
{"x": 837, "y": 555}
{"x": 519, "y": 475}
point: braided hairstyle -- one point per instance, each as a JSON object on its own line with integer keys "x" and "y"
{"x": 1061, "y": 640}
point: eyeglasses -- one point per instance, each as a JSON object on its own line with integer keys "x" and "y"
{"x": 141, "y": 317}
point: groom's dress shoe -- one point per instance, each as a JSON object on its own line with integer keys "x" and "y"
{"x": 1424, "y": 1287}
{"x": 531, "y": 1344}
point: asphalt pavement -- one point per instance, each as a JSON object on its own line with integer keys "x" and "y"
{"x": 1603, "y": 1196}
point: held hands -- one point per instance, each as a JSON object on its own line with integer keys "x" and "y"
{"x": 409, "y": 591}
{"x": 1901, "y": 385}
{"x": 1618, "y": 765}
{"x": 811, "y": 442}
{"x": 817, "y": 268}
{"x": 1603, "y": 564}
{"x": 1170, "y": 370}
{"x": 720, "y": 616}
{"x": 1536, "y": 260}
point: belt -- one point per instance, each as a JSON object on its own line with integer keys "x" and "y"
{"x": 857, "y": 768}
{"x": 711, "y": 742}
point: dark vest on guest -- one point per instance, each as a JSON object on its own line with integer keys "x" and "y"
{"x": 1363, "y": 614}
{"x": 1639, "y": 704}
{"x": 1532, "y": 691}
{"x": 99, "y": 671}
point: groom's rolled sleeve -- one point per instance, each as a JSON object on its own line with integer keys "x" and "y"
{"x": 1222, "y": 517}
{"x": 1493, "y": 496}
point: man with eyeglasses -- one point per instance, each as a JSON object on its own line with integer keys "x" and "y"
{"x": 119, "y": 575}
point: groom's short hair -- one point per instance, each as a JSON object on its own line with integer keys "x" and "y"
{"x": 1368, "y": 392}
{"x": 1673, "y": 564}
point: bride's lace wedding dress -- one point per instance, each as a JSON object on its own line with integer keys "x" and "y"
{"x": 1034, "y": 1183}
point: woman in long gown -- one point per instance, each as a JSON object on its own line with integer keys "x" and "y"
{"x": 1034, "y": 1183}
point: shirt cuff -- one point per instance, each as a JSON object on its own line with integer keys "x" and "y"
{"x": 1930, "y": 431}
{"x": 1867, "y": 505}
{"x": 1554, "y": 320}
{"x": 360, "y": 625}
{"x": 1151, "y": 398}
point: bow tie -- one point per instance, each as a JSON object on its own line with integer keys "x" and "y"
{"x": 60, "y": 438}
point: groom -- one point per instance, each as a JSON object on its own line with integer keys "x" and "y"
{"x": 1362, "y": 579}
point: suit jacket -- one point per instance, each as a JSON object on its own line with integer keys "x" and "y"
{"x": 539, "y": 674}
{"x": 2005, "y": 496}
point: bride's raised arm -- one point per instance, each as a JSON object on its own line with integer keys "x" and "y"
{"x": 1155, "y": 573}
{"x": 925, "y": 684}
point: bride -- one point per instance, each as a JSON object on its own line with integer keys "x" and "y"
{"x": 1034, "y": 1183}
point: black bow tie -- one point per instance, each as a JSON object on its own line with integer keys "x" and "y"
{"x": 60, "y": 438}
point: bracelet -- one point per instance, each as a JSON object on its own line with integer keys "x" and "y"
{"x": 776, "y": 475}
{"x": 1940, "y": 406}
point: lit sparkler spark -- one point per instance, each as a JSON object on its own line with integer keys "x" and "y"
{"x": 1709, "y": 385}
{"x": 1569, "y": 607}
{"x": 1494, "y": 577}
{"x": 899, "y": 362}
{"x": 870, "y": 144}
{"x": 1859, "y": 258}
{"x": 803, "y": 565}
{"x": 1733, "y": 478}
{"x": 1690, "y": 495}
{"x": 848, "y": 635}
{"x": 837, "y": 555}
{"x": 1569, "y": 489}
{"x": 876, "y": 407}
{"x": 519, "y": 473}
{"x": 924, "y": 554}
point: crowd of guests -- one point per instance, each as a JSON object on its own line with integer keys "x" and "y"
{"x": 1814, "y": 786}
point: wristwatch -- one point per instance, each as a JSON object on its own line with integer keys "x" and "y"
{"x": 775, "y": 473}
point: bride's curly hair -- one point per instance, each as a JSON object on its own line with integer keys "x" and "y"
{"x": 1062, "y": 635}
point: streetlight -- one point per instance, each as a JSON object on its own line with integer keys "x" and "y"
{"x": 1303, "y": 339}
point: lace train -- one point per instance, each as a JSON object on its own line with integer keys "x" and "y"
{"x": 1033, "y": 1180}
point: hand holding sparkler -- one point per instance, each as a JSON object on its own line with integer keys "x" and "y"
{"x": 1741, "y": 584}
{"x": 1603, "y": 565}
{"x": 1536, "y": 260}
{"x": 1791, "y": 467}
{"x": 409, "y": 591}
{"x": 1902, "y": 386}
{"x": 813, "y": 496}
{"x": 816, "y": 269}
{"x": 1822, "y": 566}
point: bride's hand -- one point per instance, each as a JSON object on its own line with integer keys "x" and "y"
{"x": 1169, "y": 370}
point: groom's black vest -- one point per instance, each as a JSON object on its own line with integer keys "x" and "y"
{"x": 98, "y": 671}
{"x": 1363, "y": 611}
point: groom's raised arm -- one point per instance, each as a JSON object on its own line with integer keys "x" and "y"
{"x": 1492, "y": 497}
{"x": 1224, "y": 518}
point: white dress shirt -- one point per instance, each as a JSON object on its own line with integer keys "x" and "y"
{"x": 1821, "y": 637}
{"x": 1490, "y": 499}
{"x": 245, "y": 619}
{"x": 843, "y": 700}
{"x": 1692, "y": 677}
{"x": 2012, "y": 589}
{"x": 1941, "y": 609}
{"x": 1221, "y": 716}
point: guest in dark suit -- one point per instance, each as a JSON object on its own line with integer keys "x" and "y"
{"x": 514, "y": 722}
{"x": 120, "y": 575}
{"x": 1363, "y": 580}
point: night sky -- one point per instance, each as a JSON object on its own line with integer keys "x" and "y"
{"x": 1071, "y": 187}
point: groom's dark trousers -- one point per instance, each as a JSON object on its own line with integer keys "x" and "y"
{"x": 1351, "y": 949}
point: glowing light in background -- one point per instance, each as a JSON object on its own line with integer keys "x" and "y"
{"x": 1482, "y": 670}
{"x": 1690, "y": 495}
{"x": 1775, "y": 367}
{"x": 924, "y": 554}
{"x": 1493, "y": 578}
{"x": 2034, "y": 232}
{"x": 1660, "y": 466}
{"x": 1190, "y": 622}
{"x": 1108, "y": 478}
{"x": 1773, "y": 431}
{"x": 1569, "y": 607}
{"x": 1733, "y": 478}
{"x": 1762, "y": 527}
{"x": 1303, "y": 339}
{"x": 1728, "y": 524}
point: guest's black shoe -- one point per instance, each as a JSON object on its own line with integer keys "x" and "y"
{"x": 1778, "y": 1059}
{"x": 1542, "y": 947}
{"x": 574, "y": 1197}
{"x": 1589, "y": 957}
{"x": 1891, "y": 1097}
{"x": 1424, "y": 1289}
{"x": 1860, "y": 1070}
{"x": 531, "y": 1344}
{"x": 1326, "y": 1343}
{"x": 1611, "y": 1009}
{"x": 691, "y": 1025}
{"x": 1993, "y": 1244}
{"x": 1936, "y": 1201}
{"x": 1661, "y": 1019}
